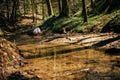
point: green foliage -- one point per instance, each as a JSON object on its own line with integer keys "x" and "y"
{"x": 75, "y": 24}
{"x": 61, "y": 24}
{"x": 76, "y": 7}
{"x": 79, "y": 29}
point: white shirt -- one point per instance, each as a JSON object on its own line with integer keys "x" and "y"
{"x": 37, "y": 31}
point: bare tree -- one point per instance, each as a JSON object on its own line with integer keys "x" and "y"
{"x": 65, "y": 8}
{"x": 43, "y": 9}
{"x": 15, "y": 8}
{"x": 7, "y": 10}
{"x": 84, "y": 13}
{"x": 92, "y": 3}
{"x": 49, "y": 7}
{"x": 33, "y": 10}
{"x": 60, "y": 6}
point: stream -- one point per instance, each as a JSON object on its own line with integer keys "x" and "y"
{"x": 75, "y": 57}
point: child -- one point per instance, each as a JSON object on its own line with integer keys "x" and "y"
{"x": 37, "y": 32}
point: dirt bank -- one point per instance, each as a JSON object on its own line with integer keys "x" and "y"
{"x": 10, "y": 59}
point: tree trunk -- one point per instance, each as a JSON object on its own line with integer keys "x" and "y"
{"x": 8, "y": 10}
{"x": 14, "y": 12}
{"x": 49, "y": 7}
{"x": 24, "y": 7}
{"x": 43, "y": 9}
{"x": 84, "y": 13}
{"x": 59, "y": 6}
{"x": 92, "y": 4}
{"x": 65, "y": 9}
{"x": 33, "y": 10}
{"x": 36, "y": 12}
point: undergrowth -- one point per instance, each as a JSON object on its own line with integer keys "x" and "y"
{"x": 95, "y": 24}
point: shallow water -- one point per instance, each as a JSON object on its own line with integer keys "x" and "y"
{"x": 70, "y": 62}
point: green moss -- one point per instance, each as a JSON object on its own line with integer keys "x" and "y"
{"x": 75, "y": 24}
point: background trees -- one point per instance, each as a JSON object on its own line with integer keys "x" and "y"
{"x": 59, "y": 6}
{"x": 65, "y": 8}
{"x": 13, "y": 10}
{"x": 84, "y": 13}
{"x": 49, "y": 7}
{"x": 10, "y": 8}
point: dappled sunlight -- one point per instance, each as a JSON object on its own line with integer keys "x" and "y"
{"x": 28, "y": 19}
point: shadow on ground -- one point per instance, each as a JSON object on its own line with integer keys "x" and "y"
{"x": 19, "y": 76}
{"x": 104, "y": 42}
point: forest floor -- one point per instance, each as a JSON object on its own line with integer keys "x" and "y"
{"x": 72, "y": 56}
